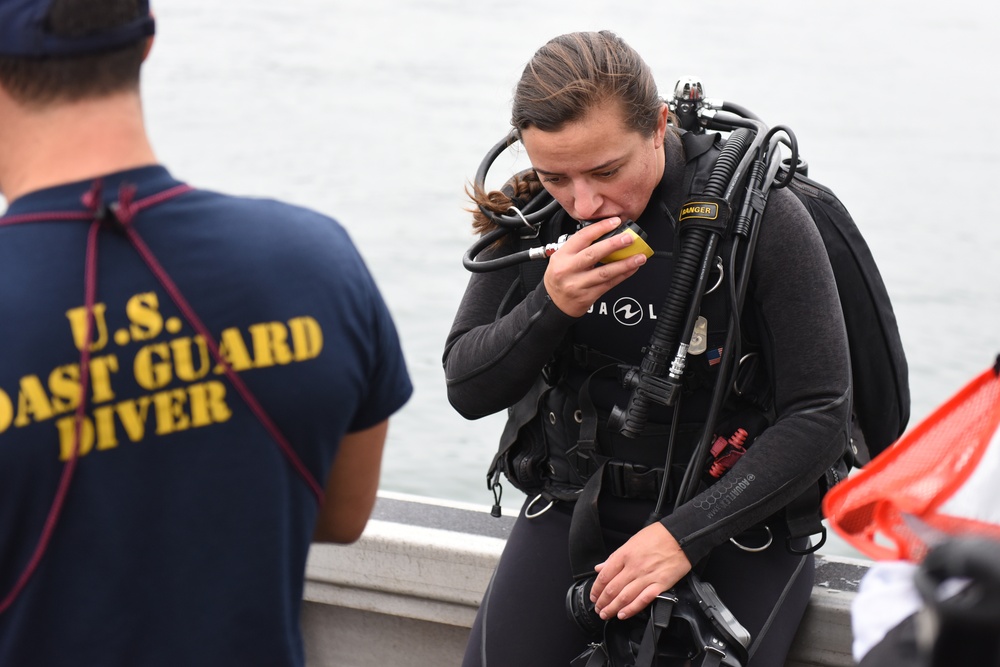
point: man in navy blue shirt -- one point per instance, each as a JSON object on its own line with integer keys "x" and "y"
{"x": 193, "y": 386}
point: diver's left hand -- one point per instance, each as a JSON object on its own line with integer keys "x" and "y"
{"x": 631, "y": 578}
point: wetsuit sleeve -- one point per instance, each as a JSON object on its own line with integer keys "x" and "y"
{"x": 490, "y": 362}
{"x": 806, "y": 350}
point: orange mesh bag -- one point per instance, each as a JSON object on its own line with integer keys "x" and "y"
{"x": 897, "y": 507}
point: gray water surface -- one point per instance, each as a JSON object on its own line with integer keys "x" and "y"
{"x": 379, "y": 113}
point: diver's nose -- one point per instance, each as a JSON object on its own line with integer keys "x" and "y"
{"x": 587, "y": 201}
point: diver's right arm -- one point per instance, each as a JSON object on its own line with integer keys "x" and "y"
{"x": 491, "y": 363}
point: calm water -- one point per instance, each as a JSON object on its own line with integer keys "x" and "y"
{"x": 380, "y": 112}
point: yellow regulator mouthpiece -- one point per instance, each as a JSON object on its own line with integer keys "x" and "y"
{"x": 638, "y": 246}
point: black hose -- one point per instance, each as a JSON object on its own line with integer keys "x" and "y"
{"x": 538, "y": 211}
{"x": 739, "y": 110}
{"x": 535, "y": 212}
{"x": 746, "y": 227}
{"x": 697, "y": 250}
{"x": 486, "y": 240}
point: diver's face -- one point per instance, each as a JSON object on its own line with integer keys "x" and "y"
{"x": 598, "y": 167}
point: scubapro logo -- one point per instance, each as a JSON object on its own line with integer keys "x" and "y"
{"x": 627, "y": 311}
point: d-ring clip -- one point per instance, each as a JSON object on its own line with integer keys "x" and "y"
{"x": 523, "y": 219}
{"x": 527, "y": 510}
{"x": 737, "y": 389}
{"x": 753, "y": 550}
{"x": 722, "y": 274}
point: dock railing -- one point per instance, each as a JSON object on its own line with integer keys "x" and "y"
{"x": 406, "y": 593}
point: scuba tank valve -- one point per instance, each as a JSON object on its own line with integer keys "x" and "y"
{"x": 689, "y": 97}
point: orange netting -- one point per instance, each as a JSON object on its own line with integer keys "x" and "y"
{"x": 891, "y": 508}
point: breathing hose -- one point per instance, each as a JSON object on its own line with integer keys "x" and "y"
{"x": 538, "y": 211}
{"x": 657, "y": 380}
{"x": 761, "y": 180}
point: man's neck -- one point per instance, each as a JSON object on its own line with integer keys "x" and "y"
{"x": 64, "y": 143}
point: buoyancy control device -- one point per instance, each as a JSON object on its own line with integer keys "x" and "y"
{"x": 736, "y": 186}
{"x": 723, "y": 219}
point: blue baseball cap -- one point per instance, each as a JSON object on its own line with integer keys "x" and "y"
{"x": 23, "y": 32}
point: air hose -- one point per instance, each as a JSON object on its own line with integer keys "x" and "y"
{"x": 761, "y": 180}
{"x": 657, "y": 379}
{"x": 526, "y": 221}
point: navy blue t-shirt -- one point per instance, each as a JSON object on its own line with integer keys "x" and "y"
{"x": 185, "y": 531}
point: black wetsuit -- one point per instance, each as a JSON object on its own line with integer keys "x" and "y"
{"x": 490, "y": 363}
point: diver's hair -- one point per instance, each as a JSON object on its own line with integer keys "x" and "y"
{"x": 576, "y": 72}
{"x": 518, "y": 191}
{"x": 563, "y": 81}
{"x": 38, "y": 82}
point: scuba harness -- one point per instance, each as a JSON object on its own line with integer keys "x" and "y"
{"x": 687, "y": 624}
{"x": 743, "y": 177}
{"x": 719, "y": 220}
{"x": 717, "y": 230}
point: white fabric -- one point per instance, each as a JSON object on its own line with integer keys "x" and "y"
{"x": 886, "y": 596}
{"x": 979, "y": 497}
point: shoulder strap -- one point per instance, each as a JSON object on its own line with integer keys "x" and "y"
{"x": 697, "y": 148}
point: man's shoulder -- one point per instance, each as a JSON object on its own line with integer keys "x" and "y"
{"x": 258, "y": 209}
{"x": 259, "y": 221}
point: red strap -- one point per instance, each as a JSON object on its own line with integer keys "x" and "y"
{"x": 90, "y": 289}
{"x": 251, "y": 400}
{"x": 123, "y": 213}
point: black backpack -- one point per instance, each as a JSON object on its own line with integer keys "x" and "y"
{"x": 878, "y": 364}
{"x": 881, "y": 393}
{"x": 879, "y": 373}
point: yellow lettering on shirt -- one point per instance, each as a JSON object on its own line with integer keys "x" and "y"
{"x": 270, "y": 344}
{"x": 183, "y": 355}
{"x": 234, "y": 351}
{"x": 307, "y": 338}
{"x": 32, "y": 402}
{"x": 173, "y": 370}
{"x": 6, "y": 411}
{"x": 78, "y": 324}
{"x": 208, "y": 404}
{"x": 143, "y": 312}
{"x": 174, "y": 410}
{"x": 152, "y": 366}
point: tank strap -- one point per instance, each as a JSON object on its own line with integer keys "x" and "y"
{"x": 586, "y": 540}
{"x": 584, "y": 452}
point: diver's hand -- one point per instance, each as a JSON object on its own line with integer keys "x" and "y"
{"x": 631, "y": 578}
{"x": 575, "y": 280}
